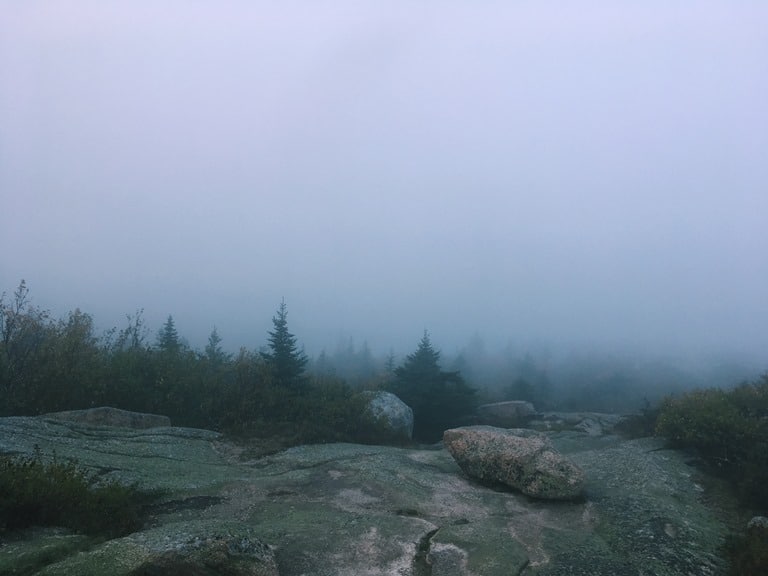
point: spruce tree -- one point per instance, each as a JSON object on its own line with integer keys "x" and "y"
{"x": 438, "y": 399}
{"x": 213, "y": 350}
{"x": 168, "y": 337}
{"x": 284, "y": 358}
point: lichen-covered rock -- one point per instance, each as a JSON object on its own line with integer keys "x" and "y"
{"x": 521, "y": 459}
{"x": 193, "y": 547}
{"x": 354, "y": 510}
{"x": 108, "y": 416}
{"x": 236, "y": 552}
{"x": 393, "y": 418}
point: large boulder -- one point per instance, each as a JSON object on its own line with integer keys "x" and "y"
{"x": 392, "y": 419}
{"x": 509, "y": 414}
{"x": 522, "y": 459}
{"x": 108, "y": 416}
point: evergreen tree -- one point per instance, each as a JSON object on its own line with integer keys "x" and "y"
{"x": 389, "y": 363}
{"x": 438, "y": 399}
{"x": 213, "y": 350}
{"x": 284, "y": 358}
{"x": 421, "y": 366}
{"x": 168, "y": 337}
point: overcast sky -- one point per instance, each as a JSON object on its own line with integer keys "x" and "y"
{"x": 575, "y": 172}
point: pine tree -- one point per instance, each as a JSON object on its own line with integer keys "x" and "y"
{"x": 438, "y": 399}
{"x": 213, "y": 350}
{"x": 422, "y": 366}
{"x": 168, "y": 337}
{"x": 284, "y": 358}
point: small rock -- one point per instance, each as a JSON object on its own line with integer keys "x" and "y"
{"x": 522, "y": 459}
{"x": 590, "y": 426}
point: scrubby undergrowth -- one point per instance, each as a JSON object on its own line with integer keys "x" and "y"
{"x": 729, "y": 430}
{"x": 36, "y": 493}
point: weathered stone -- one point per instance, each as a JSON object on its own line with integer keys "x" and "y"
{"x": 510, "y": 414}
{"x": 521, "y": 459}
{"x": 108, "y": 416}
{"x": 393, "y": 418}
{"x": 167, "y": 459}
{"x": 349, "y": 510}
{"x": 192, "y": 547}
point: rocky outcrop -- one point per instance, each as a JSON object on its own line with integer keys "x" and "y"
{"x": 510, "y": 414}
{"x": 192, "y": 547}
{"x": 521, "y": 459}
{"x": 392, "y": 418}
{"x": 195, "y": 548}
{"x": 348, "y": 510}
{"x": 591, "y": 423}
{"x": 108, "y": 416}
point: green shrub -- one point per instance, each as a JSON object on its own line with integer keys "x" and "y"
{"x": 64, "y": 494}
{"x": 749, "y": 552}
{"x": 729, "y": 428}
{"x": 707, "y": 420}
{"x": 325, "y": 410}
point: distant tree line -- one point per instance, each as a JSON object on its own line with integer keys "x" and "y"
{"x": 49, "y": 365}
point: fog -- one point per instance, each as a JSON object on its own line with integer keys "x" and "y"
{"x": 570, "y": 177}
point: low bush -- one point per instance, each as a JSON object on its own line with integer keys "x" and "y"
{"x": 323, "y": 411}
{"x": 35, "y": 493}
{"x": 729, "y": 428}
{"x": 749, "y": 552}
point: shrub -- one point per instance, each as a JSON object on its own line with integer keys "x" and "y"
{"x": 707, "y": 420}
{"x": 749, "y": 552}
{"x": 64, "y": 494}
{"x": 325, "y": 410}
{"x": 730, "y": 430}
{"x": 329, "y": 412}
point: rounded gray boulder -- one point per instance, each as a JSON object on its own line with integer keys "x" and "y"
{"x": 392, "y": 418}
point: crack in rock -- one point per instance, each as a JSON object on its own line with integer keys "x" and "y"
{"x": 421, "y": 566}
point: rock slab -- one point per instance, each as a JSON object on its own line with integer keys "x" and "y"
{"x": 108, "y": 416}
{"x": 521, "y": 459}
{"x": 353, "y": 510}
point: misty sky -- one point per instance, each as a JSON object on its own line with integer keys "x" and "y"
{"x": 573, "y": 172}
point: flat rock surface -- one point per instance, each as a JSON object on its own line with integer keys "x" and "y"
{"x": 347, "y": 509}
